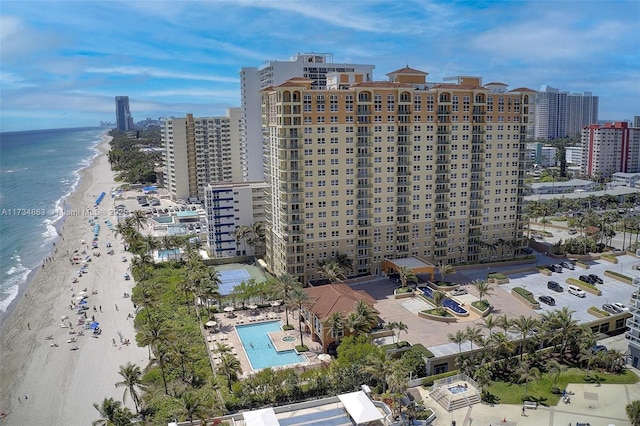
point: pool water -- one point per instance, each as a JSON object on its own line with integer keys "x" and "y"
{"x": 457, "y": 389}
{"x": 164, "y": 254}
{"x": 259, "y": 349}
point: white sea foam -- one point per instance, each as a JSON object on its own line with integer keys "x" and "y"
{"x": 16, "y": 275}
{"x": 8, "y": 295}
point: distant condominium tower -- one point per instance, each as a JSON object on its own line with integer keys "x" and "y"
{"x": 392, "y": 169}
{"x": 200, "y": 151}
{"x": 560, "y": 114}
{"x": 314, "y": 66}
{"x": 610, "y": 148}
{"x": 124, "y": 121}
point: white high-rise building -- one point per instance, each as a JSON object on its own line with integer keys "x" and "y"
{"x": 314, "y": 66}
{"x": 574, "y": 155}
{"x": 561, "y": 114}
{"x": 228, "y": 207}
{"x": 201, "y": 150}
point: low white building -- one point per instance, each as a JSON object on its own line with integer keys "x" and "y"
{"x": 625, "y": 179}
{"x": 573, "y": 185}
{"x": 574, "y": 155}
{"x": 548, "y": 157}
{"x": 229, "y": 206}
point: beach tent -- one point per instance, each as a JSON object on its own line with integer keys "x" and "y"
{"x": 360, "y": 407}
{"x": 94, "y": 325}
{"x": 264, "y": 417}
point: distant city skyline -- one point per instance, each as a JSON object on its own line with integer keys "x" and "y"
{"x": 64, "y": 62}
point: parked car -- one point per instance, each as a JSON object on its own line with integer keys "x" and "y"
{"x": 595, "y": 279}
{"x": 587, "y": 279}
{"x": 555, "y": 268}
{"x": 568, "y": 265}
{"x": 548, "y": 300}
{"x": 526, "y": 250}
{"x": 621, "y": 306}
{"x": 598, "y": 348}
{"x": 576, "y": 291}
{"x": 459, "y": 291}
{"x": 127, "y": 277}
{"x": 552, "y": 285}
{"x": 608, "y": 307}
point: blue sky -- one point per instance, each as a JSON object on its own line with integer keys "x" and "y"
{"x": 63, "y": 62}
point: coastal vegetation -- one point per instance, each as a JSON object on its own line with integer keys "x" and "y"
{"x": 130, "y": 163}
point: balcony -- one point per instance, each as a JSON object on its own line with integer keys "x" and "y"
{"x": 441, "y": 160}
{"x": 443, "y": 132}
{"x": 364, "y": 133}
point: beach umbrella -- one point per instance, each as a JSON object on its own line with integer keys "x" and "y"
{"x": 229, "y": 309}
{"x": 211, "y": 323}
{"x": 80, "y": 298}
{"x": 324, "y": 357}
{"x": 82, "y": 293}
{"x": 94, "y": 325}
{"x": 253, "y": 306}
{"x": 274, "y": 303}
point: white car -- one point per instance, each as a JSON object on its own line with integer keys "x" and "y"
{"x": 621, "y": 306}
{"x": 459, "y": 291}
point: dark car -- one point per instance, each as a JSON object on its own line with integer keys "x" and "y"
{"x": 595, "y": 279}
{"x": 548, "y": 300}
{"x": 586, "y": 279}
{"x": 598, "y": 348}
{"x": 552, "y": 285}
{"x": 555, "y": 268}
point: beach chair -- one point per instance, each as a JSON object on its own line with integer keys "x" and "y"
{"x": 209, "y": 339}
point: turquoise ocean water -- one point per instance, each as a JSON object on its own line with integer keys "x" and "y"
{"x": 38, "y": 170}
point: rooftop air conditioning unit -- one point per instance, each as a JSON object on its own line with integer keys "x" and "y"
{"x": 636, "y": 280}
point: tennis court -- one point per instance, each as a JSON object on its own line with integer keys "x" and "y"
{"x": 230, "y": 279}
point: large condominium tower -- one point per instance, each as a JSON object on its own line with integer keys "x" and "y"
{"x": 611, "y": 148}
{"x": 200, "y": 151}
{"x": 393, "y": 169}
{"x": 560, "y": 114}
{"x": 124, "y": 121}
{"x": 314, "y": 66}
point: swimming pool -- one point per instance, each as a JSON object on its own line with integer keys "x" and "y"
{"x": 259, "y": 348}
{"x": 457, "y": 389}
{"x": 165, "y": 254}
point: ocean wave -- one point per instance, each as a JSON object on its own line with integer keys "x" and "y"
{"x": 22, "y": 169}
{"x": 7, "y": 296}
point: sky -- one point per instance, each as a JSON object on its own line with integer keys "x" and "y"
{"x": 63, "y": 62}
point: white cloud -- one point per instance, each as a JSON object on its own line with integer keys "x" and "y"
{"x": 11, "y": 81}
{"x": 159, "y": 73}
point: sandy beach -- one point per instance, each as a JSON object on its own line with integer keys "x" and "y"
{"x": 43, "y": 384}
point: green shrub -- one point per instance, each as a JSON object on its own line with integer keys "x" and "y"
{"x": 445, "y": 284}
{"x": 402, "y": 290}
{"x": 287, "y": 327}
{"x": 617, "y": 274}
{"x": 429, "y": 380}
{"x": 497, "y": 276}
{"x": 581, "y": 283}
{"x": 440, "y": 312}
{"x": 609, "y": 258}
{"x": 526, "y": 294}
{"x": 481, "y": 305}
{"x": 301, "y": 348}
{"x": 598, "y": 311}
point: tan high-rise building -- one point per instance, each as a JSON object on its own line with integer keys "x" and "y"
{"x": 201, "y": 150}
{"x": 394, "y": 169}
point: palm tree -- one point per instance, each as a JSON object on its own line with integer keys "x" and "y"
{"x": 504, "y": 323}
{"x": 380, "y": 368}
{"x": 445, "y": 269}
{"x": 438, "y": 300}
{"x": 473, "y": 334}
{"x": 191, "y": 407}
{"x": 153, "y": 333}
{"x": 112, "y": 413}
{"x": 527, "y": 374}
{"x": 132, "y": 379}
{"x": 332, "y": 271}
{"x": 502, "y": 345}
{"x": 407, "y": 276}
{"x": 282, "y": 286}
{"x": 484, "y": 288}
{"x": 139, "y": 219}
{"x": 366, "y": 312}
{"x": 633, "y": 412}
{"x": 490, "y": 323}
{"x": 459, "y": 337}
{"x": 396, "y": 325}
{"x": 335, "y": 325}
{"x": 299, "y": 299}
{"x": 555, "y": 368}
{"x": 230, "y": 368}
{"x": 587, "y": 356}
{"x": 241, "y": 233}
{"x": 523, "y": 325}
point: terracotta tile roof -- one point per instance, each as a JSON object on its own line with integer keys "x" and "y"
{"x": 332, "y": 298}
{"x": 407, "y": 70}
{"x": 523, "y": 89}
{"x": 384, "y": 84}
{"x": 295, "y": 81}
{"x": 496, "y": 83}
{"x": 458, "y": 86}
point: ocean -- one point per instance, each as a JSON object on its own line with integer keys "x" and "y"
{"x": 38, "y": 170}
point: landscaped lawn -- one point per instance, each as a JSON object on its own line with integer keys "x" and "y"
{"x": 540, "y": 390}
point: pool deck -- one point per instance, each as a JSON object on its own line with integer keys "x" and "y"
{"x": 226, "y": 334}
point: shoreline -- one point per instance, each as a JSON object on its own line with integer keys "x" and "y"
{"x": 101, "y": 148}
{"x": 62, "y": 384}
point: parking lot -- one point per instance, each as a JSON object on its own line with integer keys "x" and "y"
{"x": 612, "y": 290}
